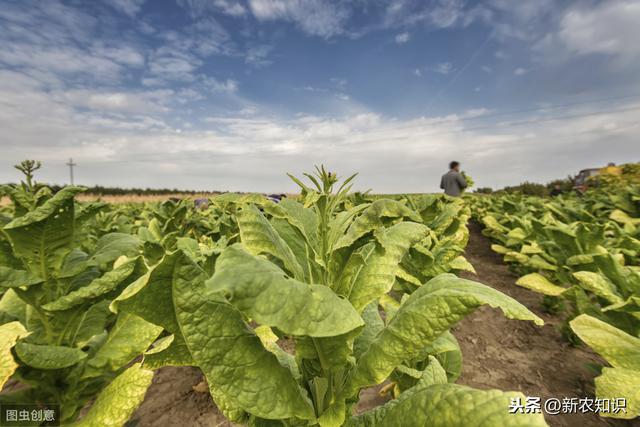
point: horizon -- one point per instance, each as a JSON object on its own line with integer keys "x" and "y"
{"x": 232, "y": 94}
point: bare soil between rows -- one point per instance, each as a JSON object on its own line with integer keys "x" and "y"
{"x": 499, "y": 353}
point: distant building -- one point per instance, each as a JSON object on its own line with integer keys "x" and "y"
{"x": 581, "y": 179}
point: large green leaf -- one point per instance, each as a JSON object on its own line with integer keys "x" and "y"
{"x": 92, "y": 322}
{"x": 42, "y": 237}
{"x": 430, "y": 311}
{"x": 452, "y": 405}
{"x": 114, "y": 245}
{"x": 373, "y": 324}
{"x": 9, "y": 334}
{"x": 12, "y": 278}
{"x": 118, "y": 400}
{"x": 262, "y": 291}
{"x": 150, "y": 296}
{"x": 48, "y": 356}
{"x": 240, "y": 372}
{"x": 98, "y": 287}
{"x": 379, "y": 214}
{"x": 168, "y": 351}
{"x": 130, "y": 337}
{"x": 12, "y": 306}
{"x": 259, "y": 237}
{"x": 370, "y": 273}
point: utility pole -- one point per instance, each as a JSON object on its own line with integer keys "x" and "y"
{"x": 71, "y": 165}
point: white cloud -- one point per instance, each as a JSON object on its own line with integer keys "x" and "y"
{"x": 520, "y": 71}
{"x": 218, "y": 86}
{"x": 120, "y": 138}
{"x": 402, "y": 38}
{"x": 258, "y": 56}
{"x": 128, "y": 7}
{"x": 442, "y": 68}
{"x": 228, "y": 7}
{"x": 315, "y": 17}
{"x": 613, "y": 27}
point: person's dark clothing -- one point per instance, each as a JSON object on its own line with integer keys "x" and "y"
{"x": 453, "y": 183}
{"x": 555, "y": 192}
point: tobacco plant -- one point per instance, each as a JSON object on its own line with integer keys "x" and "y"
{"x": 60, "y": 343}
{"x": 286, "y": 324}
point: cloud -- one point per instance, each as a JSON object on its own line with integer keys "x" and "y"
{"x": 128, "y": 139}
{"x": 314, "y": 17}
{"x": 200, "y": 8}
{"x": 609, "y": 28}
{"x": 220, "y": 86}
{"x": 402, "y": 38}
{"x": 442, "y": 68}
{"x": 230, "y": 7}
{"x": 128, "y": 7}
{"x": 520, "y": 71}
{"x": 258, "y": 56}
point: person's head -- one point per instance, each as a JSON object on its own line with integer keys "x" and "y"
{"x": 454, "y": 166}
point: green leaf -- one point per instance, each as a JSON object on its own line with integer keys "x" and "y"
{"x": 9, "y": 334}
{"x": 262, "y": 291}
{"x": 114, "y": 245}
{"x": 430, "y": 311}
{"x": 377, "y": 215}
{"x": 150, "y": 296}
{"x": 241, "y": 373}
{"x": 48, "y": 356}
{"x": 452, "y": 405}
{"x": 12, "y": 278}
{"x": 259, "y": 237}
{"x": 173, "y": 351}
{"x": 13, "y": 306}
{"x": 117, "y": 402}
{"x": 538, "y": 283}
{"x": 371, "y": 273}
{"x": 93, "y": 322}
{"x": 618, "y": 348}
{"x": 373, "y": 324}
{"x": 98, "y": 287}
{"x": 130, "y": 337}
{"x": 42, "y": 237}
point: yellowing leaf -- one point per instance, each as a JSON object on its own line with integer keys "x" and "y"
{"x": 118, "y": 400}
{"x": 9, "y": 334}
{"x": 538, "y": 283}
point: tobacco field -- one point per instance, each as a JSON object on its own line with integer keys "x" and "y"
{"x": 293, "y": 311}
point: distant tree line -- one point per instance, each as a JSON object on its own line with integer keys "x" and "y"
{"x": 118, "y": 191}
{"x": 532, "y": 188}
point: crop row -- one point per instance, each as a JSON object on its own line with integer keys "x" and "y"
{"x": 289, "y": 309}
{"x": 583, "y": 253}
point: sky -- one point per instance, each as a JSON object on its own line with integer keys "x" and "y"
{"x": 232, "y": 94}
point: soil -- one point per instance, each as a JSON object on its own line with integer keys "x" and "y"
{"x": 515, "y": 355}
{"x": 498, "y": 353}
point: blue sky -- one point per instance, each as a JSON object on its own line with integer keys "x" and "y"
{"x": 231, "y": 94}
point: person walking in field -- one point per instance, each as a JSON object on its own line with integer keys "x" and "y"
{"x": 453, "y": 182}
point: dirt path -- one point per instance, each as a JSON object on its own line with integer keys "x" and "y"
{"x": 515, "y": 355}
